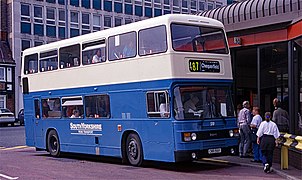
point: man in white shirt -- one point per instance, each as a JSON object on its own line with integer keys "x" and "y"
{"x": 267, "y": 133}
{"x": 97, "y": 57}
{"x": 256, "y": 121}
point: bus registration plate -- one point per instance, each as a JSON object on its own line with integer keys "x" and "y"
{"x": 214, "y": 151}
{"x": 204, "y": 66}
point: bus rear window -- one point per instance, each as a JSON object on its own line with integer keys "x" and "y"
{"x": 31, "y": 64}
{"x": 152, "y": 40}
{"x": 191, "y": 38}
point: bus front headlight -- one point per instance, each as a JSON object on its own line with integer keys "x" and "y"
{"x": 231, "y": 133}
{"x": 193, "y": 136}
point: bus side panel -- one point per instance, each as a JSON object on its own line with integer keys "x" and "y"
{"x": 29, "y": 121}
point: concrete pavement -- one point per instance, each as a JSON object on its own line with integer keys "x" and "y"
{"x": 291, "y": 173}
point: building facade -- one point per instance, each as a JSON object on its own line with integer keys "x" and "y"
{"x": 37, "y": 22}
{"x": 266, "y": 45}
{"x": 7, "y": 64}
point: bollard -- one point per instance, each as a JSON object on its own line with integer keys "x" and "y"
{"x": 284, "y": 157}
{"x": 299, "y": 145}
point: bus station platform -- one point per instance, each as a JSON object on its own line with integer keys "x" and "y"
{"x": 291, "y": 173}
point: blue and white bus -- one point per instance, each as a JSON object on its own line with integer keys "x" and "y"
{"x": 159, "y": 89}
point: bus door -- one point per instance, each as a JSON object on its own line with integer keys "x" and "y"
{"x": 38, "y": 127}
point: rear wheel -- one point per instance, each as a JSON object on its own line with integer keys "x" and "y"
{"x": 134, "y": 151}
{"x": 53, "y": 143}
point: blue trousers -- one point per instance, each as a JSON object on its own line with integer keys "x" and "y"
{"x": 267, "y": 157}
{"x": 257, "y": 152}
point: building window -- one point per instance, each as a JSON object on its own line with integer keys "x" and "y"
{"x": 38, "y": 43}
{"x": 166, "y": 2}
{"x": 157, "y": 12}
{"x": 176, "y": 3}
{"x": 74, "y": 17}
{"x": 96, "y": 4}
{"x": 69, "y": 56}
{"x": 50, "y": 13}
{"x": 118, "y": 7}
{"x": 2, "y": 74}
{"x": 85, "y": 23}
{"x": 107, "y": 22}
{"x": 108, "y": 6}
{"x": 201, "y": 5}
{"x": 74, "y": 32}
{"x": 74, "y": 3}
{"x": 128, "y": 9}
{"x": 25, "y": 28}
{"x": 62, "y": 32}
{"x": 185, "y": 3}
{"x": 62, "y": 2}
{"x": 96, "y": 22}
{"x": 38, "y": 29}
{"x": 86, "y": 4}
{"x": 97, "y": 106}
{"x": 25, "y": 44}
{"x": 117, "y": 21}
{"x": 210, "y": 6}
{"x": 51, "y": 1}
{"x": 74, "y": 24}
{"x": 128, "y": 21}
{"x": 167, "y": 12}
{"x": 138, "y": 10}
{"x": 193, "y": 4}
{"x": 2, "y": 101}
{"x": 51, "y": 31}
{"x": 218, "y": 4}
{"x": 158, "y": 104}
{"x": 148, "y": 12}
{"x": 25, "y": 10}
{"x": 38, "y": 12}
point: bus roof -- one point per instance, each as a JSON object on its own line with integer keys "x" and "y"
{"x": 165, "y": 19}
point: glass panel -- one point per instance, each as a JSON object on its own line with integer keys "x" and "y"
{"x": 51, "y": 31}
{"x": 74, "y": 17}
{"x": 152, "y": 40}
{"x": 51, "y": 108}
{"x": 61, "y": 15}
{"x": 70, "y": 56}
{"x": 138, "y": 10}
{"x": 50, "y": 13}
{"x": 62, "y": 32}
{"x": 97, "y": 106}
{"x": 199, "y": 102}
{"x": 274, "y": 76}
{"x": 74, "y": 3}
{"x": 94, "y": 52}
{"x": 148, "y": 12}
{"x": 85, "y": 18}
{"x": 25, "y": 44}
{"x": 39, "y": 29}
{"x": 86, "y": 4}
{"x": 128, "y": 9}
{"x": 62, "y": 2}
{"x": 48, "y": 61}
{"x": 193, "y": 38}
{"x": 122, "y": 46}
{"x": 37, "y": 109}
{"x": 107, "y": 21}
{"x": 118, "y": 8}
{"x": 74, "y": 32}
{"x": 25, "y": 28}
{"x": 25, "y": 10}
{"x": 96, "y": 20}
{"x": 298, "y": 74}
{"x": 117, "y": 22}
{"x": 72, "y": 107}
{"x": 97, "y": 4}
{"x": 158, "y": 104}
{"x": 38, "y": 12}
{"x": 31, "y": 64}
{"x": 108, "y": 6}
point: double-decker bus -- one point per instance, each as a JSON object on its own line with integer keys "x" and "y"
{"x": 158, "y": 89}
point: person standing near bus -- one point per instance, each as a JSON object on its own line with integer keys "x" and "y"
{"x": 268, "y": 133}
{"x": 280, "y": 116}
{"x": 244, "y": 120}
{"x": 256, "y": 121}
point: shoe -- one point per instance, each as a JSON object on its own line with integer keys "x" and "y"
{"x": 266, "y": 168}
{"x": 270, "y": 170}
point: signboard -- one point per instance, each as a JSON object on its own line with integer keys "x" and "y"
{"x": 204, "y": 66}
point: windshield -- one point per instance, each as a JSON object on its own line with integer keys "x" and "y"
{"x": 202, "y": 102}
{"x": 191, "y": 38}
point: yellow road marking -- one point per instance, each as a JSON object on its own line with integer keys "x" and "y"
{"x": 16, "y": 147}
{"x": 214, "y": 160}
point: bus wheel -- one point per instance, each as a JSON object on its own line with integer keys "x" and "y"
{"x": 53, "y": 143}
{"x": 134, "y": 150}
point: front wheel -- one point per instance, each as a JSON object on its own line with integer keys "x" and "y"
{"x": 134, "y": 150}
{"x": 53, "y": 143}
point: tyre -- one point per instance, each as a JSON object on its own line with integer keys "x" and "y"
{"x": 53, "y": 143}
{"x": 134, "y": 151}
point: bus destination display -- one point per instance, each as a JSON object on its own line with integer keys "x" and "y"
{"x": 204, "y": 66}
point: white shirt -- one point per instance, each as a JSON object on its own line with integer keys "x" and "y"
{"x": 163, "y": 110}
{"x": 257, "y": 119}
{"x": 96, "y": 59}
{"x": 268, "y": 128}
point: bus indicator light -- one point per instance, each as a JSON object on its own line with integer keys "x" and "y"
{"x": 119, "y": 127}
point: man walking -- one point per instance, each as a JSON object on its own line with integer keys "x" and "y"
{"x": 280, "y": 116}
{"x": 244, "y": 120}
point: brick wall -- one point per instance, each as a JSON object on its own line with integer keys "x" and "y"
{"x": 3, "y": 20}
{"x": 294, "y": 157}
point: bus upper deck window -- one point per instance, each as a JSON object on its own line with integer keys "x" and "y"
{"x": 31, "y": 64}
{"x": 122, "y": 46}
{"x": 69, "y": 56}
{"x": 94, "y": 52}
{"x": 152, "y": 40}
{"x": 49, "y": 61}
